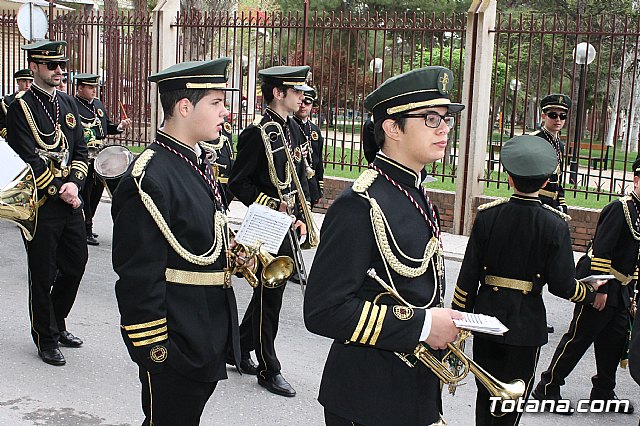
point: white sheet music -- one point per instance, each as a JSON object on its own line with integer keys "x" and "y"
{"x": 12, "y": 164}
{"x": 481, "y": 323}
{"x": 265, "y": 225}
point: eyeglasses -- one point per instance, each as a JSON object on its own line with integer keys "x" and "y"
{"x": 553, "y": 115}
{"x": 51, "y": 66}
{"x": 433, "y": 119}
{"x": 307, "y": 101}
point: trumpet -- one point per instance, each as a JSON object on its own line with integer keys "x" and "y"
{"x": 275, "y": 270}
{"x": 455, "y": 365}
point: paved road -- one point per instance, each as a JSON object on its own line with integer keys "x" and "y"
{"x": 99, "y": 384}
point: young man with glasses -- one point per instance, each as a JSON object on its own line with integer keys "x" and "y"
{"x": 555, "y": 109}
{"x": 253, "y": 180}
{"x": 95, "y": 126}
{"x": 385, "y": 223}
{"x": 44, "y": 129}
{"x": 23, "y": 78}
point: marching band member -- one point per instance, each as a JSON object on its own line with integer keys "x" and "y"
{"x": 386, "y": 221}
{"x": 43, "y": 128}
{"x": 170, "y": 239}
{"x": 24, "y": 79}
{"x": 95, "y": 126}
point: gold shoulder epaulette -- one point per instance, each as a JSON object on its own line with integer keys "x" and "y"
{"x": 492, "y": 203}
{"x": 141, "y": 162}
{"x": 257, "y": 121}
{"x": 564, "y": 216}
{"x": 20, "y": 94}
{"x": 535, "y": 133}
{"x": 364, "y": 181}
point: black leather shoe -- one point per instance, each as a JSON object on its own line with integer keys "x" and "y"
{"x": 550, "y": 329}
{"x": 247, "y": 366}
{"x": 278, "y": 385}
{"x": 68, "y": 339}
{"x": 92, "y": 241}
{"x": 94, "y": 235}
{"x": 557, "y": 408}
{"x": 611, "y": 403}
{"x": 52, "y": 356}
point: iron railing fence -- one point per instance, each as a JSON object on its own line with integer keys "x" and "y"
{"x": 349, "y": 54}
{"x": 534, "y": 56}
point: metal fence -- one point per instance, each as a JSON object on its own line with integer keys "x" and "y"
{"x": 534, "y": 56}
{"x": 349, "y": 54}
{"x": 115, "y": 46}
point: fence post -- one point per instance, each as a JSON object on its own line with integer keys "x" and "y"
{"x": 476, "y": 95}
{"x": 304, "y": 32}
{"x": 163, "y": 49}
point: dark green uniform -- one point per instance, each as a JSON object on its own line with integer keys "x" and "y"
{"x": 315, "y": 143}
{"x": 96, "y": 123}
{"x": 57, "y": 255}
{"x": 614, "y": 251}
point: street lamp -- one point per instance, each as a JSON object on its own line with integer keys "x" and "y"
{"x": 583, "y": 55}
{"x": 376, "y": 67}
{"x": 514, "y": 85}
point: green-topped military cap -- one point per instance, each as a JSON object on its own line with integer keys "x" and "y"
{"x": 25, "y": 74}
{"x": 212, "y": 74}
{"x": 87, "y": 79}
{"x": 529, "y": 156}
{"x": 45, "y": 51}
{"x": 555, "y": 100}
{"x": 419, "y": 88}
{"x": 311, "y": 95}
{"x": 281, "y": 75}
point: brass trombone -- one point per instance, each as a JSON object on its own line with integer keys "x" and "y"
{"x": 455, "y": 365}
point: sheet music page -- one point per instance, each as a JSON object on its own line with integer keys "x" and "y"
{"x": 265, "y": 225}
{"x": 12, "y": 164}
{"x": 481, "y": 323}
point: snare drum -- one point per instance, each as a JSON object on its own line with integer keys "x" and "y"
{"x": 110, "y": 164}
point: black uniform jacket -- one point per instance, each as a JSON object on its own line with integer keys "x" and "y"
{"x": 555, "y": 183}
{"x": 50, "y": 175}
{"x": 4, "y": 107}
{"x": 313, "y": 136}
{"x": 364, "y": 380}
{"x": 634, "y": 350}
{"x": 519, "y": 239}
{"x": 249, "y": 180}
{"x": 615, "y": 250}
{"x": 89, "y": 111}
{"x": 190, "y": 324}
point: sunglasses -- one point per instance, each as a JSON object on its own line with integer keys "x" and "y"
{"x": 51, "y": 66}
{"x": 307, "y": 101}
{"x": 553, "y": 115}
{"x": 433, "y": 119}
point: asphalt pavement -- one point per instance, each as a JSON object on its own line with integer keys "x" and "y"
{"x": 99, "y": 384}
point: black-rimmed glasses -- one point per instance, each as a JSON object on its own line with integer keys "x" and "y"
{"x": 433, "y": 119}
{"x": 51, "y": 66}
{"x": 553, "y": 115}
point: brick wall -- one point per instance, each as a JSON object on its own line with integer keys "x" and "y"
{"x": 582, "y": 224}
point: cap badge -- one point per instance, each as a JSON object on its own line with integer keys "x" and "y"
{"x": 443, "y": 82}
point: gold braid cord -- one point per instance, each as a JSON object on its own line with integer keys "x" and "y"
{"x": 627, "y": 216}
{"x": 380, "y": 227}
{"x": 57, "y": 133}
{"x": 266, "y": 139}
{"x": 219, "y": 224}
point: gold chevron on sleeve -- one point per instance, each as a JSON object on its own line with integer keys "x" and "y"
{"x": 145, "y": 324}
{"x": 148, "y": 333}
{"x": 462, "y": 302}
{"x": 150, "y": 341}
{"x": 600, "y": 264}
{"x": 361, "y": 321}
{"x": 80, "y": 165}
{"x": 580, "y": 292}
{"x": 44, "y": 179}
{"x": 372, "y": 321}
{"x": 378, "y": 329}
{"x": 262, "y": 199}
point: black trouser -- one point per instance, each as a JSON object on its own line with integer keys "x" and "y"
{"x": 170, "y": 399}
{"x": 505, "y": 363}
{"x": 259, "y": 328}
{"x": 91, "y": 194}
{"x": 607, "y": 330}
{"x": 331, "y": 419}
{"x": 57, "y": 256}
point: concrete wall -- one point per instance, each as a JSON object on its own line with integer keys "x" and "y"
{"x": 582, "y": 225}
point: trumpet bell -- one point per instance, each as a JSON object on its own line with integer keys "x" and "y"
{"x": 18, "y": 202}
{"x": 275, "y": 270}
